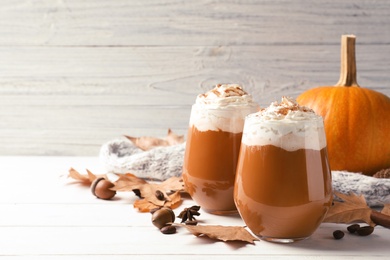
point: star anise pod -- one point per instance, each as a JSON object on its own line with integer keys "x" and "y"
{"x": 187, "y": 215}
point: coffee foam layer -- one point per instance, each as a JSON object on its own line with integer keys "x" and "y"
{"x": 286, "y": 125}
{"x": 222, "y": 109}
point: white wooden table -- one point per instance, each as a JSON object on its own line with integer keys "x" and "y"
{"x": 45, "y": 215}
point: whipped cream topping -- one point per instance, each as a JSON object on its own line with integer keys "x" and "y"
{"x": 225, "y": 95}
{"x": 287, "y": 109}
{"x": 223, "y": 108}
{"x": 286, "y": 125}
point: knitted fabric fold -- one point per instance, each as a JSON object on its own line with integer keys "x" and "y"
{"x": 160, "y": 163}
{"x": 122, "y": 156}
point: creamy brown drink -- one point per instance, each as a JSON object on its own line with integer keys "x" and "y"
{"x": 213, "y": 143}
{"x": 283, "y": 183}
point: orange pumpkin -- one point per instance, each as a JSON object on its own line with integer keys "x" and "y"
{"x": 356, "y": 119}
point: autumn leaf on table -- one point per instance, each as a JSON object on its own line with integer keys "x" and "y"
{"x": 145, "y": 205}
{"x": 85, "y": 179}
{"x": 173, "y": 138}
{"x": 166, "y": 193}
{"x": 386, "y": 209}
{"x": 354, "y": 208}
{"x": 148, "y": 142}
{"x": 128, "y": 182}
{"x": 223, "y": 233}
{"x": 172, "y": 184}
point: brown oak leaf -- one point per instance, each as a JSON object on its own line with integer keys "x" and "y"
{"x": 145, "y": 205}
{"x": 168, "y": 191}
{"x": 174, "y": 200}
{"x": 223, "y": 233}
{"x": 128, "y": 182}
{"x": 148, "y": 142}
{"x": 354, "y": 208}
{"x": 386, "y": 209}
{"x": 85, "y": 179}
{"x": 173, "y": 138}
{"x": 172, "y": 184}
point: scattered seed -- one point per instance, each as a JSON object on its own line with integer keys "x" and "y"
{"x": 159, "y": 195}
{"x": 353, "y": 228}
{"x": 338, "y": 234}
{"x": 167, "y": 230}
{"x": 365, "y": 231}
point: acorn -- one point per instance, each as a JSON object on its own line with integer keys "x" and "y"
{"x": 163, "y": 217}
{"x": 101, "y": 188}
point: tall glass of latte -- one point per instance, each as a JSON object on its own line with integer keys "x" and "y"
{"x": 283, "y": 183}
{"x": 213, "y": 143}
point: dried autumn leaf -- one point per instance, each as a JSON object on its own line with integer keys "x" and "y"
{"x": 85, "y": 179}
{"x": 173, "y": 138}
{"x": 223, "y": 233}
{"x": 386, "y": 209}
{"x": 148, "y": 142}
{"x": 172, "y": 184}
{"x": 174, "y": 200}
{"x": 354, "y": 208}
{"x": 128, "y": 182}
{"x": 91, "y": 176}
{"x": 145, "y": 205}
{"x": 148, "y": 191}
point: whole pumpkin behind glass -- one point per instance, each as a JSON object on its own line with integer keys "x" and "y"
{"x": 357, "y": 119}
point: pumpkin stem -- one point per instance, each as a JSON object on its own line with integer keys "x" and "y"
{"x": 348, "y": 62}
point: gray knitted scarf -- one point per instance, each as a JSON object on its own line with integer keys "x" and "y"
{"x": 160, "y": 163}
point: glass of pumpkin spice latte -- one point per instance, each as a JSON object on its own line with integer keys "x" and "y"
{"x": 213, "y": 143}
{"x": 283, "y": 182}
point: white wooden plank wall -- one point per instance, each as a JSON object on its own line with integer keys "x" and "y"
{"x": 75, "y": 74}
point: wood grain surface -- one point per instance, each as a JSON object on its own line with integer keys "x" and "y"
{"x": 75, "y": 74}
{"x": 47, "y": 216}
